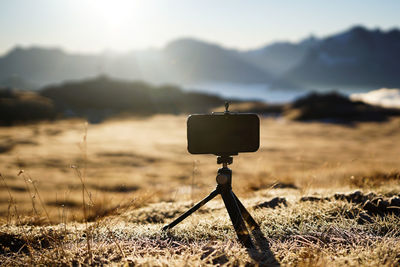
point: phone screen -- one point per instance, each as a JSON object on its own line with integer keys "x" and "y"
{"x": 223, "y": 134}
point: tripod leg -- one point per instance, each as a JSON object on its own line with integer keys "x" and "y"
{"x": 236, "y": 218}
{"x": 246, "y": 215}
{"x": 190, "y": 211}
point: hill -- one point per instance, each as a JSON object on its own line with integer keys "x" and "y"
{"x": 336, "y": 108}
{"x": 102, "y": 97}
{"x": 22, "y": 107}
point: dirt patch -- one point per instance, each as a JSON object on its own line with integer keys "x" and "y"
{"x": 282, "y": 185}
{"x": 214, "y": 256}
{"x": 12, "y": 243}
{"x": 277, "y": 185}
{"x": 6, "y": 147}
{"x": 122, "y": 188}
{"x": 17, "y": 243}
{"x": 374, "y": 179}
{"x": 66, "y": 204}
{"x": 127, "y": 155}
{"x": 160, "y": 213}
{"x": 18, "y": 188}
{"x": 52, "y": 132}
{"x": 54, "y": 163}
{"x": 157, "y": 216}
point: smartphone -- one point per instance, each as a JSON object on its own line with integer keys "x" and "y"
{"x": 223, "y": 133}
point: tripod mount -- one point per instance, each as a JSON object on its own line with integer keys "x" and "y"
{"x": 237, "y": 212}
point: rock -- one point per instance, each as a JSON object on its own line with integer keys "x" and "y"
{"x": 273, "y": 203}
{"x": 395, "y": 202}
{"x": 370, "y": 207}
{"x": 356, "y": 197}
{"x": 312, "y": 199}
{"x": 382, "y": 205}
{"x": 363, "y": 218}
{"x": 284, "y": 186}
{"x": 376, "y": 206}
{"x": 376, "y": 200}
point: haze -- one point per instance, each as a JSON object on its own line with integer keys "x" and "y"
{"x": 88, "y": 26}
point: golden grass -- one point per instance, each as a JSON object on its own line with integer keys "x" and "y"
{"x": 129, "y": 176}
{"x": 147, "y": 159}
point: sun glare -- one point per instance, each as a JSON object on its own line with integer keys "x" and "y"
{"x": 116, "y": 13}
{"x": 120, "y": 22}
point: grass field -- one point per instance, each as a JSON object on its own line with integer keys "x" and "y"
{"x": 134, "y": 175}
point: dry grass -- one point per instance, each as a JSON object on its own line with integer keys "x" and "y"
{"x": 302, "y": 233}
{"x": 130, "y": 176}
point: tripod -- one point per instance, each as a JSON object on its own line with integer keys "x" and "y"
{"x": 237, "y": 212}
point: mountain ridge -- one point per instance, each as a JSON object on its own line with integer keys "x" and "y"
{"x": 354, "y": 57}
{"x": 358, "y": 57}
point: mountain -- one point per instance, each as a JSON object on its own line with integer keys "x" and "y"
{"x": 357, "y": 57}
{"x": 198, "y": 61}
{"x": 278, "y": 58}
{"x": 181, "y": 61}
{"x": 43, "y": 66}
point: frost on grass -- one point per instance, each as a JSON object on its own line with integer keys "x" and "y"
{"x": 327, "y": 232}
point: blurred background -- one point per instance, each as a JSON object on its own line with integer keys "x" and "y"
{"x": 258, "y": 50}
{"x": 323, "y": 76}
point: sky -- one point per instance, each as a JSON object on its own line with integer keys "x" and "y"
{"x": 93, "y": 26}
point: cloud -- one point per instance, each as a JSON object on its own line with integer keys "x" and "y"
{"x": 384, "y": 97}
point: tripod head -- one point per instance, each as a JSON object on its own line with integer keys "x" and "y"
{"x": 225, "y": 160}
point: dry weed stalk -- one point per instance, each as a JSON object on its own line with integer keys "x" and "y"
{"x": 28, "y": 180}
{"x": 24, "y": 234}
{"x": 51, "y": 236}
{"x": 82, "y": 176}
{"x": 32, "y": 196}
{"x": 11, "y": 202}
